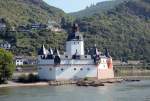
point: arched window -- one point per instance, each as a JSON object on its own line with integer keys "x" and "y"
{"x": 62, "y": 69}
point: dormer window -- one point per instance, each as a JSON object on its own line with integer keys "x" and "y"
{"x": 78, "y": 37}
{"x": 85, "y": 56}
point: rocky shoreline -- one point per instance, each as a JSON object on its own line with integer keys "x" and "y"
{"x": 82, "y": 82}
{"x": 92, "y": 82}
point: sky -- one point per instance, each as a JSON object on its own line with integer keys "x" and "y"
{"x": 72, "y": 5}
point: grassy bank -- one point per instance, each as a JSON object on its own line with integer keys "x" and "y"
{"x": 132, "y": 70}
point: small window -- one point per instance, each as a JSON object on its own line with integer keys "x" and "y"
{"x": 75, "y": 69}
{"x": 74, "y": 42}
{"x": 50, "y": 69}
{"x": 81, "y": 69}
{"x": 66, "y": 56}
{"x": 85, "y": 56}
{"x": 62, "y": 69}
{"x": 88, "y": 69}
{"x": 39, "y": 68}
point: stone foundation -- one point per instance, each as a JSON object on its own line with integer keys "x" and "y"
{"x": 105, "y": 73}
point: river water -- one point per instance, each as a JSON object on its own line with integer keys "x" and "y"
{"x": 127, "y": 91}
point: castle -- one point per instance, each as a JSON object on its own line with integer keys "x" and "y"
{"x": 74, "y": 63}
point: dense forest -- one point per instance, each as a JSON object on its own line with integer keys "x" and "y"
{"x": 98, "y": 8}
{"x": 18, "y": 12}
{"x": 124, "y": 29}
{"x": 22, "y": 12}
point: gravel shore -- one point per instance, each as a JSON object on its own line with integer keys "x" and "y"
{"x": 14, "y": 84}
{"x": 58, "y": 83}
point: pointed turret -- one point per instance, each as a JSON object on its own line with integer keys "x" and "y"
{"x": 56, "y": 52}
{"x": 50, "y": 54}
{"x": 96, "y": 55}
{"x": 57, "y": 59}
{"x": 95, "y": 50}
{"x": 107, "y": 53}
{"x": 50, "y": 51}
{"x": 42, "y": 50}
{"x": 76, "y": 56}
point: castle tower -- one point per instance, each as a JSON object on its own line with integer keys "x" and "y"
{"x": 75, "y": 42}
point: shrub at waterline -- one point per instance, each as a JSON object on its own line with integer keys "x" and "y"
{"x": 31, "y": 78}
{"x": 6, "y": 65}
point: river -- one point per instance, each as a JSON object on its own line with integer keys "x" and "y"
{"x": 126, "y": 91}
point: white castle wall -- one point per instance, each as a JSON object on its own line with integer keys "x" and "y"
{"x": 45, "y": 73}
{"x": 69, "y": 69}
{"x": 73, "y": 46}
{"x": 75, "y": 72}
{"x": 66, "y": 72}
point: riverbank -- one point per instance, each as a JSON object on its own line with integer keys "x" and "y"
{"x": 15, "y": 84}
{"x": 91, "y": 82}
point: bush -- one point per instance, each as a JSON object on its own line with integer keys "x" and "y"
{"x": 28, "y": 78}
{"x": 23, "y": 78}
{"x": 3, "y": 82}
{"x": 33, "y": 78}
{"x": 6, "y": 66}
{"x": 86, "y": 79}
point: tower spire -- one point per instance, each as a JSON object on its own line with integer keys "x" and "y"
{"x": 75, "y": 28}
{"x": 75, "y": 34}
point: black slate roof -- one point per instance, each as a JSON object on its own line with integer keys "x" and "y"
{"x": 75, "y": 34}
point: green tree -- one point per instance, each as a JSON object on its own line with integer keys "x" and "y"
{"x": 6, "y": 65}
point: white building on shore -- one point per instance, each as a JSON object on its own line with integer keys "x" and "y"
{"x": 5, "y": 45}
{"x": 74, "y": 64}
{"x": 19, "y": 60}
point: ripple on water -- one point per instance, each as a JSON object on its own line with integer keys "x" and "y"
{"x": 135, "y": 91}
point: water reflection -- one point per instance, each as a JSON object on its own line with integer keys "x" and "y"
{"x": 138, "y": 91}
{"x": 5, "y": 91}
